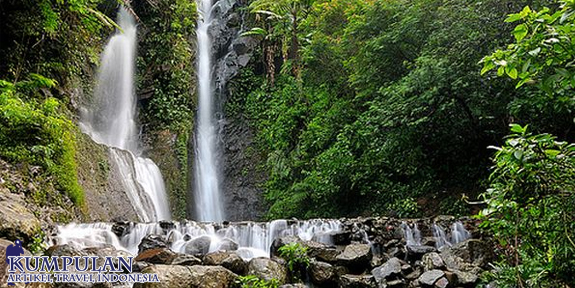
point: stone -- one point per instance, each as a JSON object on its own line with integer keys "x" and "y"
{"x": 157, "y": 256}
{"x": 399, "y": 283}
{"x": 315, "y": 249}
{"x": 341, "y": 238}
{"x": 267, "y": 269}
{"x": 355, "y": 256}
{"x": 198, "y": 246}
{"x": 473, "y": 251}
{"x": 432, "y": 261}
{"x": 228, "y": 245}
{"x": 176, "y": 276}
{"x": 419, "y": 250}
{"x": 296, "y": 285}
{"x": 442, "y": 283}
{"x": 465, "y": 278}
{"x": 430, "y": 277}
{"x": 16, "y": 221}
{"x": 152, "y": 241}
{"x": 388, "y": 271}
{"x": 321, "y": 272}
{"x": 186, "y": 260}
{"x": 229, "y": 260}
{"x": 356, "y": 281}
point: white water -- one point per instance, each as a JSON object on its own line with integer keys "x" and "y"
{"x": 209, "y": 205}
{"x": 458, "y": 234}
{"x": 111, "y": 120}
{"x": 254, "y": 239}
{"x": 412, "y": 235}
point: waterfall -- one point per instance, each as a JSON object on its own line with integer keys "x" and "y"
{"x": 111, "y": 120}
{"x": 253, "y": 239}
{"x": 209, "y": 206}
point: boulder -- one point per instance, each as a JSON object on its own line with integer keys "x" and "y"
{"x": 157, "y": 256}
{"x": 296, "y": 285}
{"x": 152, "y": 241}
{"x": 357, "y": 281}
{"x": 228, "y": 245}
{"x": 317, "y": 250}
{"x": 16, "y": 221}
{"x": 432, "y": 261}
{"x": 198, "y": 246}
{"x": 267, "y": 269}
{"x": 430, "y": 277}
{"x": 472, "y": 251}
{"x": 355, "y": 256}
{"x": 176, "y": 276}
{"x": 415, "y": 252}
{"x": 229, "y": 260}
{"x": 186, "y": 260}
{"x": 390, "y": 270}
{"x": 341, "y": 238}
{"x": 465, "y": 279}
{"x": 322, "y": 273}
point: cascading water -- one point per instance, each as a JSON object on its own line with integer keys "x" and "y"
{"x": 209, "y": 205}
{"x": 110, "y": 120}
{"x": 253, "y": 239}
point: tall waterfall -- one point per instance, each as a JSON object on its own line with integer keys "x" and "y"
{"x": 111, "y": 120}
{"x": 209, "y": 205}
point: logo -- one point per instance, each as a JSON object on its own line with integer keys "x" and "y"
{"x": 69, "y": 269}
{"x": 13, "y": 250}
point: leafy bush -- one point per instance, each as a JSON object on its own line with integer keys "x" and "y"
{"x": 37, "y": 133}
{"x": 297, "y": 260}
{"x": 252, "y": 281}
{"x": 531, "y": 210}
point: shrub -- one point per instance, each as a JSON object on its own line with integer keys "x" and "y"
{"x": 297, "y": 260}
{"x": 252, "y": 281}
{"x": 531, "y": 210}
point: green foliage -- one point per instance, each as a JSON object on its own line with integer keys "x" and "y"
{"x": 541, "y": 56}
{"x": 167, "y": 63}
{"x": 530, "y": 210}
{"x": 37, "y": 133}
{"x": 252, "y": 281}
{"x": 390, "y": 108}
{"x": 297, "y": 260}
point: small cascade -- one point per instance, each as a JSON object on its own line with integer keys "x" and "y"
{"x": 440, "y": 236}
{"x": 253, "y": 239}
{"x": 458, "y": 234}
{"x": 412, "y": 234}
{"x": 111, "y": 120}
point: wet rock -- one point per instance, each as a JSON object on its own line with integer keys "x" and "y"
{"x": 296, "y": 285}
{"x": 186, "y": 260}
{"x": 341, "y": 238}
{"x": 432, "y": 261}
{"x": 121, "y": 228}
{"x": 430, "y": 277}
{"x": 228, "y": 245}
{"x": 317, "y": 250}
{"x": 419, "y": 250}
{"x": 357, "y": 281}
{"x": 152, "y": 241}
{"x": 157, "y": 256}
{"x": 176, "y": 276}
{"x": 356, "y": 256}
{"x": 399, "y": 283}
{"x": 388, "y": 271}
{"x": 198, "y": 246}
{"x": 229, "y": 260}
{"x": 472, "y": 251}
{"x": 322, "y": 273}
{"x": 267, "y": 269}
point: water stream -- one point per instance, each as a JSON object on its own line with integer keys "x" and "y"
{"x": 207, "y": 194}
{"x": 111, "y": 120}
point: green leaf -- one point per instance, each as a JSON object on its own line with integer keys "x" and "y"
{"x": 517, "y": 128}
{"x": 512, "y": 73}
{"x": 513, "y": 18}
{"x": 520, "y": 32}
{"x": 500, "y": 71}
{"x": 487, "y": 67}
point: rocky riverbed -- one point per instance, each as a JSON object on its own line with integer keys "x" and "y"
{"x": 365, "y": 252}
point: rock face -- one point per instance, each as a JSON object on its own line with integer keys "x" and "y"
{"x": 267, "y": 269}
{"x": 16, "y": 221}
{"x": 430, "y": 277}
{"x": 189, "y": 277}
{"x": 322, "y": 273}
{"x": 388, "y": 271}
